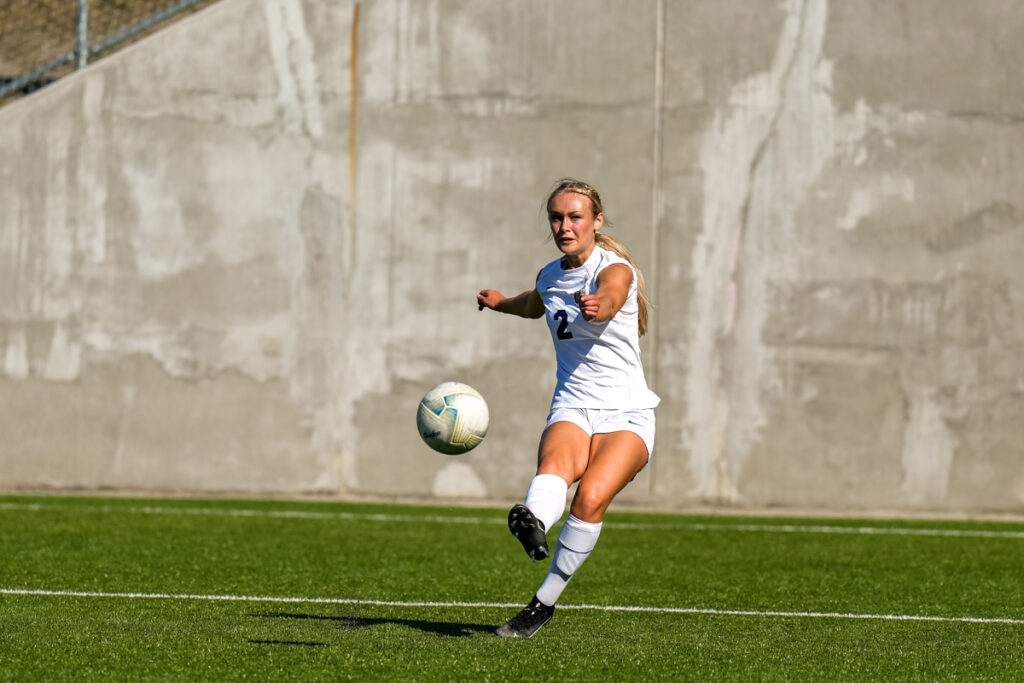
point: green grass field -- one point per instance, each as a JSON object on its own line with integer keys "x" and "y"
{"x": 132, "y": 589}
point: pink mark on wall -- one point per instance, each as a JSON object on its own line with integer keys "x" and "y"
{"x": 731, "y": 294}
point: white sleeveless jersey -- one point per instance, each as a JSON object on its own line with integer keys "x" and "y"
{"x": 598, "y": 363}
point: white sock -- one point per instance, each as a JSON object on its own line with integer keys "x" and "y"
{"x": 575, "y": 542}
{"x": 546, "y": 498}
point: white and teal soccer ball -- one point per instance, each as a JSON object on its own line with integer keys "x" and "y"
{"x": 453, "y": 418}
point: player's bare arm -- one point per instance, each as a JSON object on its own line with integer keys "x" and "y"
{"x": 526, "y": 305}
{"x": 612, "y": 289}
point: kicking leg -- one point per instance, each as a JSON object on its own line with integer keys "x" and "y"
{"x": 562, "y": 457}
{"x": 615, "y": 460}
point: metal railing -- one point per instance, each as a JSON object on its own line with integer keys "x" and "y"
{"x": 86, "y": 29}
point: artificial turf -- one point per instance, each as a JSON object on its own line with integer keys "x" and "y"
{"x": 222, "y": 590}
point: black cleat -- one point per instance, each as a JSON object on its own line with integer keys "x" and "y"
{"x": 529, "y": 531}
{"x": 528, "y": 621}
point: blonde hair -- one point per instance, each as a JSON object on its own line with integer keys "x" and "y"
{"x": 581, "y": 188}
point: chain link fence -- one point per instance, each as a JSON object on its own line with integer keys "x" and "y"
{"x": 43, "y": 40}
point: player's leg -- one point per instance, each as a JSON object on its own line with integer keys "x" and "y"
{"x": 615, "y": 460}
{"x": 564, "y": 449}
{"x": 562, "y": 459}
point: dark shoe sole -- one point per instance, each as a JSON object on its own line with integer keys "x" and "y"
{"x": 528, "y": 531}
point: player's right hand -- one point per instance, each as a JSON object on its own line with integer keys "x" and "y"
{"x": 488, "y": 298}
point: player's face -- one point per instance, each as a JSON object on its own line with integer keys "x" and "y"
{"x": 574, "y": 226}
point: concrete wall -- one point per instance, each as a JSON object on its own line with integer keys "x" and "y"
{"x": 234, "y": 256}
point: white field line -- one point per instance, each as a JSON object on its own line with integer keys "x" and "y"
{"x": 504, "y": 605}
{"x": 240, "y": 512}
{"x": 834, "y": 529}
{"x": 500, "y": 521}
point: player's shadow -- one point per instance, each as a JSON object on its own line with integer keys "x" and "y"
{"x": 441, "y": 628}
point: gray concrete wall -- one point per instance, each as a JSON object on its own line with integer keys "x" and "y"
{"x": 234, "y": 256}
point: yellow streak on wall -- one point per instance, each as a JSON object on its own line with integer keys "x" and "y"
{"x": 353, "y": 102}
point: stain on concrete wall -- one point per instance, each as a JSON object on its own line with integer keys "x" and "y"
{"x": 236, "y": 255}
{"x": 759, "y": 156}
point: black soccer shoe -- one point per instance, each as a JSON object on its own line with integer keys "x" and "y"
{"x": 528, "y": 621}
{"x": 529, "y": 531}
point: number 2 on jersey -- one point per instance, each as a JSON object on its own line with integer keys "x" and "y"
{"x": 562, "y": 332}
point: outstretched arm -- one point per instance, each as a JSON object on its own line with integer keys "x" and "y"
{"x": 525, "y": 305}
{"x": 612, "y": 289}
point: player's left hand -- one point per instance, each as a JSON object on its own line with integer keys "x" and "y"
{"x": 589, "y": 305}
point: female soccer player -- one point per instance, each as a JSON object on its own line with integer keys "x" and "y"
{"x": 600, "y": 430}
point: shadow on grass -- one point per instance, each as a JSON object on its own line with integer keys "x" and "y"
{"x": 441, "y": 628}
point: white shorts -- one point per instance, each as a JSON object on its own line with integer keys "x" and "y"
{"x": 640, "y": 421}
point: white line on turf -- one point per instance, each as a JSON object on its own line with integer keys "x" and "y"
{"x": 835, "y": 529}
{"x": 602, "y": 608}
{"x": 500, "y": 520}
{"x": 242, "y": 512}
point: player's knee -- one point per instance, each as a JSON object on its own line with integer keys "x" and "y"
{"x": 590, "y": 502}
{"x": 560, "y": 467}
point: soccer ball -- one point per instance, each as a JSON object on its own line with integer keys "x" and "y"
{"x": 452, "y": 418}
